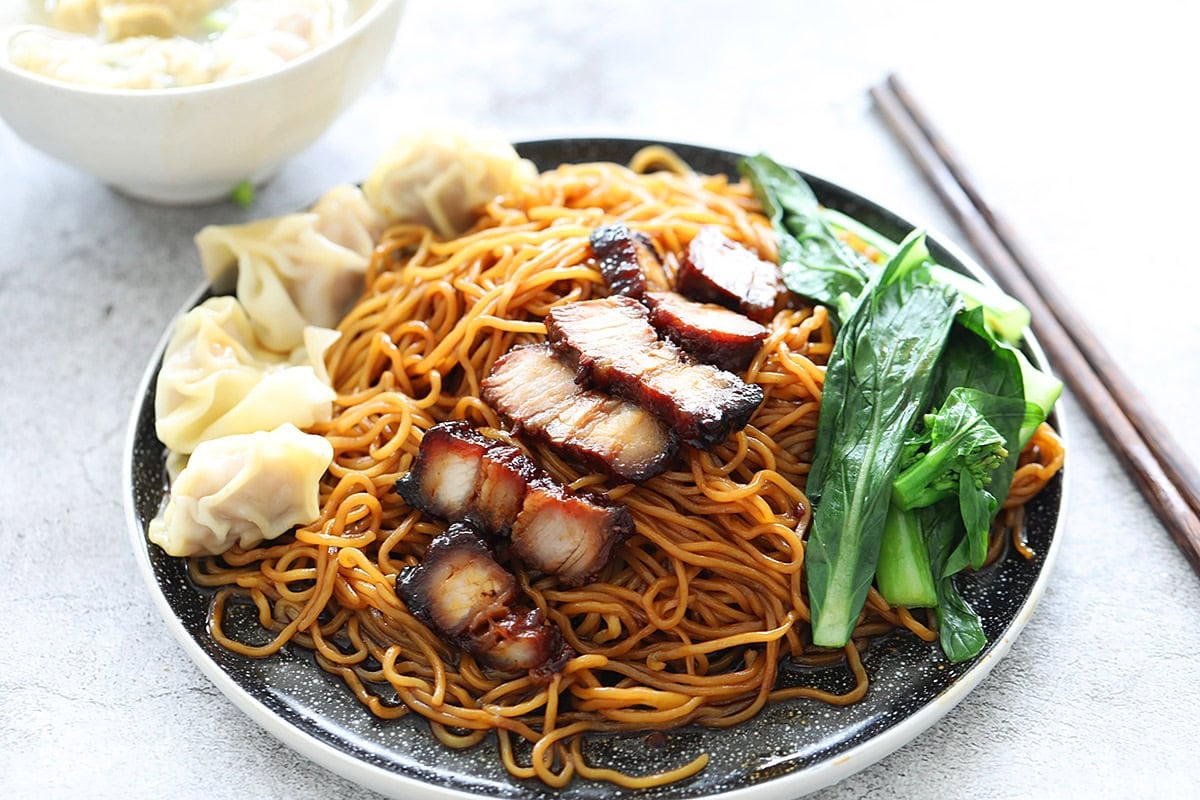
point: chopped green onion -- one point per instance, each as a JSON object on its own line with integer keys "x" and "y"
{"x": 218, "y": 21}
{"x": 243, "y": 194}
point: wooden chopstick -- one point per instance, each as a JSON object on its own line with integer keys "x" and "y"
{"x": 1165, "y": 476}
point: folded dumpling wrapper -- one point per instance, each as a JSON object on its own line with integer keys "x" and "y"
{"x": 298, "y": 269}
{"x": 441, "y": 178}
{"x": 241, "y": 490}
{"x": 217, "y": 379}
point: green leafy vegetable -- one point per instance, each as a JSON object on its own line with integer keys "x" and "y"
{"x": 924, "y": 414}
{"x": 913, "y": 576}
{"x": 1042, "y": 391}
{"x": 877, "y": 381}
{"x": 1004, "y": 314}
{"x": 968, "y": 455}
{"x": 814, "y": 262}
{"x": 973, "y": 358}
{"x": 904, "y": 575}
{"x": 818, "y": 265}
{"x": 960, "y": 440}
{"x": 976, "y": 360}
{"x": 992, "y": 370}
{"x": 960, "y": 631}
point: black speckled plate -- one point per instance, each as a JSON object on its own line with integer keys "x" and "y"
{"x": 787, "y": 750}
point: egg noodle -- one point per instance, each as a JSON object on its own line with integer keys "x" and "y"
{"x": 690, "y": 621}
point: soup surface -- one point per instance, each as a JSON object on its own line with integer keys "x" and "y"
{"x": 162, "y": 44}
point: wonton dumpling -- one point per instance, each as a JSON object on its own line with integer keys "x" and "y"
{"x": 242, "y": 489}
{"x": 344, "y": 216}
{"x": 76, "y": 16}
{"x": 440, "y": 178}
{"x": 217, "y": 380}
{"x": 126, "y": 18}
{"x": 263, "y": 35}
{"x": 298, "y": 269}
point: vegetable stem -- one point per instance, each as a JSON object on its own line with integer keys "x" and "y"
{"x": 1005, "y": 315}
{"x": 904, "y": 575}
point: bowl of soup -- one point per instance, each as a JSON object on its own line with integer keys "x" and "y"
{"x": 181, "y": 101}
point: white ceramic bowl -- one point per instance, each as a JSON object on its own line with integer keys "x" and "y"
{"x": 195, "y": 144}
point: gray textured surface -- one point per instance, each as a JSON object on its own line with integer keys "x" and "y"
{"x": 1081, "y": 127}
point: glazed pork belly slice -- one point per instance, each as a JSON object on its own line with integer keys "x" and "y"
{"x": 461, "y": 475}
{"x": 707, "y": 332}
{"x": 570, "y": 536}
{"x": 718, "y": 270}
{"x": 463, "y": 593}
{"x": 613, "y": 348}
{"x": 523, "y": 642}
{"x": 628, "y": 260}
{"x": 536, "y": 392}
{"x": 465, "y": 477}
{"x": 459, "y": 587}
{"x": 506, "y": 476}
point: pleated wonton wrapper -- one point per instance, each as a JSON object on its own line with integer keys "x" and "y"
{"x": 298, "y": 269}
{"x": 217, "y": 379}
{"x": 440, "y": 178}
{"x": 242, "y": 375}
{"x": 242, "y": 489}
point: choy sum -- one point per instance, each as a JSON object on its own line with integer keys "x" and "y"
{"x": 926, "y": 407}
{"x": 877, "y": 381}
{"x": 967, "y": 442}
{"x": 957, "y": 444}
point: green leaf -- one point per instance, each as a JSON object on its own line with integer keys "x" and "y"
{"x": 911, "y": 255}
{"x": 813, "y": 261}
{"x": 1042, "y": 391}
{"x": 968, "y": 458}
{"x": 977, "y": 506}
{"x": 976, "y": 359}
{"x": 962, "y": 440}
{"x": 1006, "y": 316}
{"x": 960, "y": 631}
{"x": 877, "y": 381}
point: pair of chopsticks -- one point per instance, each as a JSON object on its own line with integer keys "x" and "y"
{"x": 1167, "y": 479}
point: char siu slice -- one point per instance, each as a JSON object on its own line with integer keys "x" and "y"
{"x": 461, "y": 475}
{"x": 628, "y": 260}
{"x": 465, "y": 477}
{"x": 709, "y": 333}
{"x": 462, "y": 592}
{"x": 718, "y": 270}
{"x": 536, "y": 392}
{"x": 613, "y": 348}
{"x": 568, "y": 535}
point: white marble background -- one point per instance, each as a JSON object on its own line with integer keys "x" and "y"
{"x": 1080, "y": 120}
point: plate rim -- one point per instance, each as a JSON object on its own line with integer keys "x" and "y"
{"x": 780, "y": 787}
